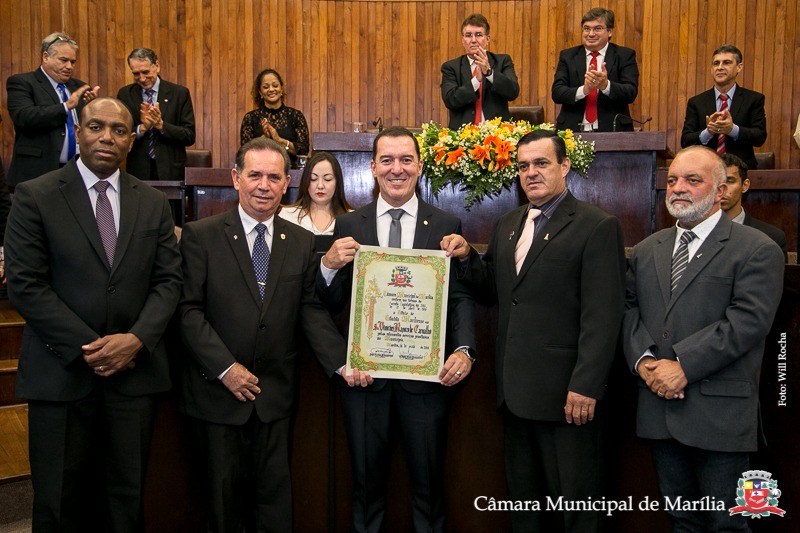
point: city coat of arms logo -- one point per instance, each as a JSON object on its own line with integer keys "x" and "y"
{"x": 757, "y": 495}
{"x": 401, "y": 277}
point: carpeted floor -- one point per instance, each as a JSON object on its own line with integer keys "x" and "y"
{"x": 16, "y": 501}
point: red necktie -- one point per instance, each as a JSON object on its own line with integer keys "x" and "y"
{"x": 479, "y": 101}
{"x": 721, "y": 137}
{"x": 591, "y": 98}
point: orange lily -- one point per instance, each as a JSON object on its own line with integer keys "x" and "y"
{"x": 480, "y": 153}
{"x": 454, "y": 156}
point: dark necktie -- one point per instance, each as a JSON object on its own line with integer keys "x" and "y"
{"x": 395, "y": 229}
{"x": 105, "y": 221}
{"x": 62, "y": 91}
{"x": 261, "y": 259}
{"x": 681, "y": 259}
{"x": 721, "y": 137}
{"x": 151, "y": 133}
{"x": 479, "y": 101}
{"x": 591, "y": 98}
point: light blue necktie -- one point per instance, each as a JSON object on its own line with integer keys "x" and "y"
{"x": 62, "y": 91}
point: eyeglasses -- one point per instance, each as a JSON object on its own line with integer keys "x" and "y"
{"x": 595, "y": 29}
{"x": 477, "y": 35}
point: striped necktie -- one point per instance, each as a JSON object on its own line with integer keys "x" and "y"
{"x": 681, "y": 259}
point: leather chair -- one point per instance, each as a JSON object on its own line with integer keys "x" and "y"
{"x": 198, "y": 158}
{"x": 765, "y": 160}
{"x": 532, "y": 113}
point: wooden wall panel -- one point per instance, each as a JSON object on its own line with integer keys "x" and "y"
{"x": 346, "y": 61}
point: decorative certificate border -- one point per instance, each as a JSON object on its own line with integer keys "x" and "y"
{"x": 398, "y": 313}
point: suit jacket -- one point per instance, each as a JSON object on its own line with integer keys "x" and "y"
{"x": 772, "y": 232}
{"x": 39, "y": 124}
{"x": 559, "y": 318}
{"x": 714, "y": 323}
{"x": 459, "y": 96}
{"x": 747, "y": 112}
{"x": 623, "y": 73}
{"x": 60, "y": 282}
{"x": 432, "y": 225}
{"x": 224, "y": 320}
{"x": 175, "y": 103}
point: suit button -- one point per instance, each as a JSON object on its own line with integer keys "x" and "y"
{"x": 665, "y": 335}
{"x": 514, "y": 302}
{"x": 262, "y": 326}
{"x": 112, "y": 289}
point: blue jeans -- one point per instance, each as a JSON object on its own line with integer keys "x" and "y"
{"x": 691, "y": 473}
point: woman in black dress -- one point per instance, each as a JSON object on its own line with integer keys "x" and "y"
{"x": 285, "y": 125}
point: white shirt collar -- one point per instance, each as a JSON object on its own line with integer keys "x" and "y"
{"x": 249, "y": 223}
{"x": 600, "y": 53}
{"x": 703, "y": 229}
{"x": 410, "y": 207}
{"x": 89, "y": 177}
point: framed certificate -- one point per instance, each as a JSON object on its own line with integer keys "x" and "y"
{"x": 398, "y": 313}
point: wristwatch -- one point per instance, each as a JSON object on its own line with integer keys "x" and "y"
{"x": 469, "y": 352}
{"x": 488, "y": 72}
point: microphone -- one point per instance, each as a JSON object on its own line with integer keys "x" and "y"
{"x": 626, "y": 117}
{"x": 378, "y": 122}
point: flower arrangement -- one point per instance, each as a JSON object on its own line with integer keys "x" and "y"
{"x": 482, "y": 159}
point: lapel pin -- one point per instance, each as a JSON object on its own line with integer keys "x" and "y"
{"x": 235, "y": 237}
{"x": 547, "y": 237}
{"x": 165, "y": 101}
{"x": 283, "y": 236}
{"x": 425, "y": 222}
{"x": 698, "y": 256}
{"x": 510, "y": 235}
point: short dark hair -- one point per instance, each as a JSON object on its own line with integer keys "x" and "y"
{"x": 476, "y": 19}
{"x": 261, "y": 144}
{"x": 599, "y": 13}
{"x": 339, "y": 203}
{"x": 256, "y": 90}
{"x": 728, "y": 49}
{"x": 559, "y": 145}
{"x": 141, "y": 54}
{"x": 731, "y": 160}
{"x": 394, "y": 131}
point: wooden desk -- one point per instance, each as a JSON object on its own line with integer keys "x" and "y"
{"x": 620, "y": 181}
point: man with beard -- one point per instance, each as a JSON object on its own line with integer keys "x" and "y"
{"x": 701, "y": 297}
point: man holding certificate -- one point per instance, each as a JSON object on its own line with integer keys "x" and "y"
{"x": 398, "y": 218}
{"x": 556, "y": 269}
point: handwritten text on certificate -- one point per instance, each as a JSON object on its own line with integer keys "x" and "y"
{"x": 398, "y": 313}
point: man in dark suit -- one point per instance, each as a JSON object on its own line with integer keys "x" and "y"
{"x": 595, "y": 82}
{"x": 701, "y": 297}
{"x": 421, "y": 407}
{"x": 738, "y": 184}
{"x": 44, "y": 106}
{"x": 249, "y": 286}
{"x": 94, "y": 269}
{"x": 556, "y": 269}
{"x": 164, "y": 120}
{"x": 478, "y": 85}
{"x": 727, "y": 118}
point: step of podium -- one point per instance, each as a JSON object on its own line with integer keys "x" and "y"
{"x": 14, "y": 464}
{"x": 11, "y": 326}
